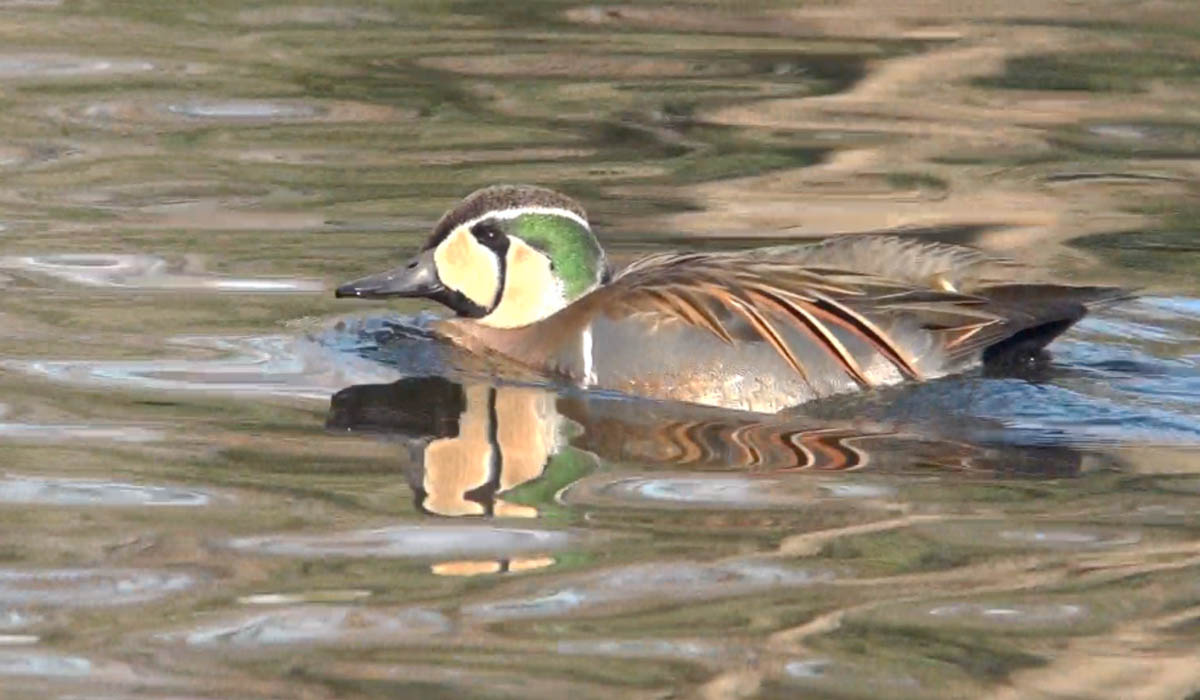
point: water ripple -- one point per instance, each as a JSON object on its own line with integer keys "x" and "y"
{"x": 89, "y": 587}
{"x": 579, "y": 65}
{"x": 839, "y": 677}
{"x": 145, "y": 272}
{"x": 646, "y": 583}
{"x": 320, "y": 625}
{"x": 31, "y": 663}
{"x": 79, "y": 492}
{"x": 58, "y": 432}
{"x": 701, "y": 650}
{"x": 32, "y": 66}
{"x": 262, "y": 366}
{"x": 707, "y": 491}
{"x": 317, "y": 15}
{"x": 12, "y": 619}
{"x": 1014, "y": 614}
{"x": 13, "y": 4}
{"x": 409, "y": 541}
{"x": 245, "y": 109}
{"x": 199, "y": 111}
{"x": 1053, "y": 536}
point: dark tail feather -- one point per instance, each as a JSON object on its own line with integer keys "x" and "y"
{"x": 1037, "y": 314}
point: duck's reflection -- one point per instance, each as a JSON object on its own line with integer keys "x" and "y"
{"x": 478, "y": 449}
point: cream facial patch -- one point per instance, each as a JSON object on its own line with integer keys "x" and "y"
{"x": 466, "y": 265}
{"x": 531, "y": 291}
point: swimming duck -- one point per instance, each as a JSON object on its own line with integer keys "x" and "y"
{"x": 761, "y": 329}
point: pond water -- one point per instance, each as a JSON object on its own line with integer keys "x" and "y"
{"x": 217, "y": 481}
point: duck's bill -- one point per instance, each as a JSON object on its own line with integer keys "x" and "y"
{"x": 417, "y": 278}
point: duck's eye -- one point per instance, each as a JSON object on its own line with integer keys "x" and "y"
{"x": 489, "y": 234}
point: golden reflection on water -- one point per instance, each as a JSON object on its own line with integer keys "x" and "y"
{"x": 185, "y": 514}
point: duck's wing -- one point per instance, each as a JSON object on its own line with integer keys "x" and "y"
{"x": 768, "y": 295}
{"x": 872, "y": 292}
{"x": 1029, "y": 314}
{"x": 906, "y": 261}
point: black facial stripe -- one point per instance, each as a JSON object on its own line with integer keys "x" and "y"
{"x": 459, "y": 303}
{"x": 489, "y": 233}
{"x": 503, "y": 278}
{"x": 485, "y": 494}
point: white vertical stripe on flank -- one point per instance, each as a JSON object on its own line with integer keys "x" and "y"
{"x": 589, "y": 366}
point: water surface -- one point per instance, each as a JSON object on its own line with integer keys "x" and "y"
{"x": 218, "y": 481}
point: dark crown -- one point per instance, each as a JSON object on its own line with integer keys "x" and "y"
{"x": 498, "y": 197}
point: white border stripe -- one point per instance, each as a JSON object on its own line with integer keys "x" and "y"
{"x": 514, "y": 212}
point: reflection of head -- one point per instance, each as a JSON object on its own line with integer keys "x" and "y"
{"x": 506, "y": 435}
{"x": 416, "y": 407}
{"x": 468, "y": 444}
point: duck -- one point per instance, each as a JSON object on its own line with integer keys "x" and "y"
{"x": 762, "y": 329}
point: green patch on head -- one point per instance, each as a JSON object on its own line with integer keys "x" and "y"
{"x": 574, "y": 252}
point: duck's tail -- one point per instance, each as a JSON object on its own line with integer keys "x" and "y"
{"x": 1036, "y": 314}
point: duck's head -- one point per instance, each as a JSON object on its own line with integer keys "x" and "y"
{"x": 507, "y": 255}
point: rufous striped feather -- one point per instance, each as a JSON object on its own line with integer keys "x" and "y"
{"x": 708, "y": 290}
{"x": 816, "y": 330}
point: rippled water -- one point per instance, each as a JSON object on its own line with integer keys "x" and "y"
{"x": 217, "y": 481}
